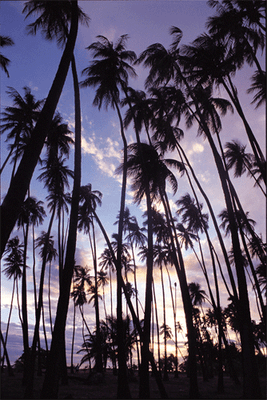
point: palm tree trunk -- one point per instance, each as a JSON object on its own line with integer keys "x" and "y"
{"x": 157, "y": 325}
{"x": 250, "y": 377}
{"x": 8, "y": 320}
{"x": 44, "y": 330}
{"x": 134, "y": 317}
{"x": 165, "y": 373}
{"x": 180, "y": 269}
{"x": 99, "y": 364}
{"x": 20, "y": 183}
{"x": 214, "y": 220}
{"x": 24, "y": 309}
{"x": 19, "y": 312}
{"x": 123, "y": 387}
{"x": 136, "y": 305}
{"x": 174, "y": 320}
{"x": 144, "y": 390}
{"x": 51, "y": 381}
{"x": 73, "y": 336}
{"x": 10, "y": 371}
{"x": 30, "y": 372}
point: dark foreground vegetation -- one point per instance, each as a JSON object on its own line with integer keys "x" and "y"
{"x": 80, "y": 387}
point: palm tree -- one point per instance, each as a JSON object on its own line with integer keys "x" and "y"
{"x": 55, "y": 176}
{"x": 107, "y": 262}
{"x": 239, "y": 160}
{"x": 89, "y": 200}
{"x": 197, "y": 295}
{"x": 4, "y": 61}
{"x": 161, "y": 78}
{"x": 204, "y": 49}
{"x": 245, "y": 35}
{"x": 243, "y": 229}
{"x": 139, "y": 111}
{"x": 57, "y": 146}
{"x": 244, "y": 310}
{"x": 47, "y": 252}
{"x": 162, "y": 257}
{"x": 149, "y": 173}
{"x": 19, "y": 120}
{"x": 32, "y": 213}
{"x": 135, "y": 237}
{"x": 109, "y": 73}
{"x": 14, "y": 264}
{"x": 19, "y": 185}
{"x": 78, "y": 294}
{"x": 102, "y": 280}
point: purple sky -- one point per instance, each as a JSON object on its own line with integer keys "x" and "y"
{"x": 34, "y": 63}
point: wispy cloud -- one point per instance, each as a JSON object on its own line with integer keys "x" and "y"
{"x": 107, "y": 156}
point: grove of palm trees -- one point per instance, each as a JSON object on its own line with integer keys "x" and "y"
{"x": 133, "y": 193}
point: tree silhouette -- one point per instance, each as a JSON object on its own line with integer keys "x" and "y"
{"x": 4, "y": 61}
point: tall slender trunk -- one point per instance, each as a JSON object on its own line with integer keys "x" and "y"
{"x": 19, "y": 312}
{"x": 134, "y": 317}
{"x": 214, "y": 220}
{"x": 44, "y": 330}
{"x": 99, "y": 364}
{"x": 24, "y": 310}
{"x": 123, "y": 387}
{"x": 30, "y": 373}
{"x": 157, "y": 324}
{"x": 19, "y": 184}
{"x": 250, "y": 374}
{"x": 10, "y": 371}
{"x": 174, "y": 319}
{"x": 8, "y": 320}
{"x": 136, "y": 305}
{"x": 144, "y": 390}
{"x": 51, "y": 381}
{"x": 165, "y": 372}
{"x": 73, "y": 336}
{"x": 49, "y": 298}
{"x": 187, "y": 305}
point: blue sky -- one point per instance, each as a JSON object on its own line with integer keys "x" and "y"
{"x": 34, "y": 62}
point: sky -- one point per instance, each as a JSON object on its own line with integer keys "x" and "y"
{"x": 34, "y": 62}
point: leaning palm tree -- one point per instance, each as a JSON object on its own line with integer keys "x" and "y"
{"x": 4, "y": 61}
{"x": 109, "y": 73}
{"x": 19, "y": 185}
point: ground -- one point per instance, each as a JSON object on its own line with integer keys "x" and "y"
{"x": 106, "y": 388}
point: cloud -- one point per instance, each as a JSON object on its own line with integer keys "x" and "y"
{"x": 104, "y": 156}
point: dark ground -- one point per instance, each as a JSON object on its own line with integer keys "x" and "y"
{"x": 78, "y": 388}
